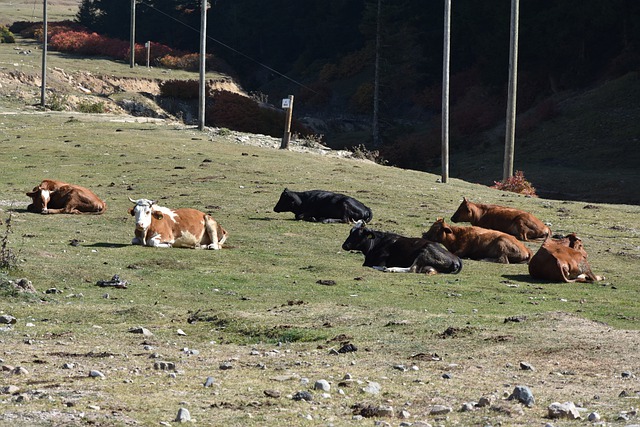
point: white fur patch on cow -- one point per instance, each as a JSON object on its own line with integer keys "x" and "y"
{"x": 165, "y": 211}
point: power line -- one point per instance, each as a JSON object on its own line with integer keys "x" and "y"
{"x": 233, "y": 49}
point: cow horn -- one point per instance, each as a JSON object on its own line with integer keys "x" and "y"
{"x": 133, "y": 201}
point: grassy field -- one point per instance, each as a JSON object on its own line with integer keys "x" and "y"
{"x": 258, "y": 305}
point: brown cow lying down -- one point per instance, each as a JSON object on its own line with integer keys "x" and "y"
{"x": 54, "y": 197}
{"x": 562, "y": 260}
{"x": 520, "y": 224}
{"x": 478, "y": 243}
{"x": 182, "y": 228}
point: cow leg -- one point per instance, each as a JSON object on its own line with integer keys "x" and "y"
{"x": 394, "y": 269}
{"x": 211, "y": 228}
{"x": 156, "y": 242}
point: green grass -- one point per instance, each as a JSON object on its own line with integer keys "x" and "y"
{"x": 261, "y": 292}
{"x": 263, "y": 288}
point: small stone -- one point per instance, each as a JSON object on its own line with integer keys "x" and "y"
{"x": 526, "y": 366}
{"x": 385, "y": 411}
{"x": 10, "y": 389}
{"x": 468, "y": 407}
{"x": 322, "y": 385}
{"x": 141, "y": 330}
{"x": 303, "y": 395}
{"x": 181, "y": 332}
{"x": 401, "y": 368}
{"x": 593, "y": 417}
{"x": 164, "y": 366}
{"x": 563, "y": 410}
{"x": 627, "y": 374}
{"x": 7, "y": 319}
{"x": 447, "y": 376}
{"x": 440, "y": 410}
{"x": 19, "y": 370}
{"x": 347, "y": 348}
{"x": 208, "y": 382}
{"x": 96, "y": 374}
{"x": 486, "y": 401}
{"x": 372, "y": 388}
{"x": 226, "y": 366}
{"x": 523, "y": 395}
{"x": 272, "y": 393}
{"x": 68, "y": 366}
{"x": 183, "y": 416}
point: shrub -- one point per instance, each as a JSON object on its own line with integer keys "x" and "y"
{"x": 516, "y": 184}
{"x": 57, "y": 102}
{"x": 91, "y": 107}
{"x": 6, "y": 36}
{"x": 8, "y": 258}
{"x": 362, "y": 152}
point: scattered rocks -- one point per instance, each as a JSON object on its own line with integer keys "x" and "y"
{"x": 6, "y": 319}
{"x": 526, "y": 366}
{"x": 164, "y": 366}
{"x": 372, "y": 388}
{"x": 303, "y": 395}
{"x": 275, "y": 394}
{"x": 115, "y": 282}
{"x": 566, "y": 410}
{"x": 141, "y": 330}
{"x": 523, "y": 395}
{"x": 96, "y": 374}
{"x": 10, "y": 389}
{"x": 348, "y": 348}
{"x": 322, "y": 385}
{"x": 183, "y": 416}
{"x": 440, "y": 410}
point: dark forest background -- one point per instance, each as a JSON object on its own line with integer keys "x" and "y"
{"x": 323, "y": 51}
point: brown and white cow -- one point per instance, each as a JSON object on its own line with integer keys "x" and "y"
{"x": 182, "y": 228}
{"x": 54, "y": 197}
{"x": 562, "y": 260}
{"x": 518, "y": 223}
{"x": 478, "y": 243}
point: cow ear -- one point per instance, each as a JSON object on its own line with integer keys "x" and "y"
{"x": 447, "y": 229}
{"x": 157, "y": 214}
{"x": 131, "y": 211}
{"x": 370, "y": 235}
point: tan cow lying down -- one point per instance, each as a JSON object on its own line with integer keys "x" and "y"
{"x": 478, "y": 243}
{"x": 182, "y": 228}
{"x": 562, "y": 260}
{"x": 520, "y": 224}
{"x": 54, "y": 197}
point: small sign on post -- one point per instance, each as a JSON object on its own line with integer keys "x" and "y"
{"x": 148, "y": 46}
{"x": 287, "y": 104}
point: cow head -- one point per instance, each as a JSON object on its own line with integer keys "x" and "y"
{"x": 359, "y": 238}
{"x": 464, "y": 212}
{"x": 438, "y": 231}
{"x": 40, "y": 198}
{"x": 288, "y": 201}
{"x": 142, "y": 211}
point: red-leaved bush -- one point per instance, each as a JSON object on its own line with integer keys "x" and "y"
{"x": 516, "y": 184}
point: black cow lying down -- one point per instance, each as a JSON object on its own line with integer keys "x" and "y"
{"x": 322, "y": 206}
{"x": 398, "y": 254}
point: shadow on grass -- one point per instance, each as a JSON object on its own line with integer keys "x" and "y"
{"x": 523, "y": 278}
{"x": 107, "y": 245}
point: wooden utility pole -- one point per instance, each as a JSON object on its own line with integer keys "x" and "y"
{"x": 43, "y": 87}
{"x": 202, "y": 93}
{"x": 510, "y": 133}
{"x": 287, "y": 104}
{"x": 132, "y": 35}
{"x": 375, "y": 128}
{"x": 446, "y": 55}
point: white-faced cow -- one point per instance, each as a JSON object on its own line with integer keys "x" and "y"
{"x": 182, "y": 228}
{"x": 56, "y": 197}
{"x": 518, "y": 223}
{"x": 479, "y": 243}
{"x": 562, "y": 260}
{"x": 398, "y": 254}
{"x": 322, "y": 206}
